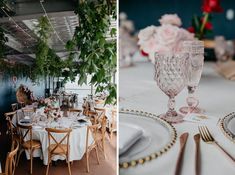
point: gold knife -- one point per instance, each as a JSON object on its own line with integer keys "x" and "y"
{"x": 197, "y": 154}
{"x": 183, "y": 140}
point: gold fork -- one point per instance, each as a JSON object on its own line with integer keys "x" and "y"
{"x": 208, "y": 138}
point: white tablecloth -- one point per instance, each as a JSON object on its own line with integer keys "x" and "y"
{"x": 138, "y": 90}
{"x": 0, "y": 168}
{"x": 77, "y": 140}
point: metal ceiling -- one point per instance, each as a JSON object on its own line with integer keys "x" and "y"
{"x": 21, "y": 32}
{"x": 20, "y": 26}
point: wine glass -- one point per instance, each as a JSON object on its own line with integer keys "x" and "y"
{"x": 195, "y": 49}
{"x": 170, "y": 75}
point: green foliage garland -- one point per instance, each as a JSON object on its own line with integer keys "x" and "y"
{"x": 97, "y": 55}
{"x": 47, "y": 62}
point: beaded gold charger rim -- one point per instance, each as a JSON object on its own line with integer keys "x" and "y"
{"x": 156, "y": 154}
{"x": 223, "y": 122}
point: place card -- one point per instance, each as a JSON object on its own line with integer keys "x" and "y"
{"x": 201, "y": 119}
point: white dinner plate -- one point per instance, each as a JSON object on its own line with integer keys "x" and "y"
{"x": 228, "y": 126}
{"x": 158, "y": 137}
{"x": 25, "y": 122}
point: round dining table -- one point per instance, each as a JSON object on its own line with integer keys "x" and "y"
{"x": 139, "y": 91}
{"x": 77, "y": 140}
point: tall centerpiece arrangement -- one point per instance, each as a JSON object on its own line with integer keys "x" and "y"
{"x": 201, "y": 25}
{"x": 164, "y": 46}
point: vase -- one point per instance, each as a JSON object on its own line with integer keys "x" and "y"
{"x": 170, "y": 75}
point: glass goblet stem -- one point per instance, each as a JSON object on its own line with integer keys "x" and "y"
{"x": 171, "y": 107}
{"x": 191, "y": 99}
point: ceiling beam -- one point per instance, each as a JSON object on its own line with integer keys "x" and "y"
{"x": 37, "y": 16}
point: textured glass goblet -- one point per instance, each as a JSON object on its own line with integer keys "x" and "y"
{"x": 195, "y": 49}
{"x": 170, "y": 75}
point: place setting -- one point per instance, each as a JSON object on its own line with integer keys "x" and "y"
{"x": 177, "y": 59}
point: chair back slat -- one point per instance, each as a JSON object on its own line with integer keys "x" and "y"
{"x": 92, "y": 130}
{"x": 75, "y": 111}
{"x": 11, "y": 127}
{"x": 14, "y": 106}
{"x": 24, "y": 131}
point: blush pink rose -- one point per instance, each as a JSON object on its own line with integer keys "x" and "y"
{"x": 172, "y": 19}
{"x": 168, "y": 35}
{"x": 149, "y": 46}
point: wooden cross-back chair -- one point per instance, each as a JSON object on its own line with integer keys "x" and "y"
{"x": 10, "y": 164}
{"x": 11, "y": 127}
{"x": 92, "y": 131}
{"x": 85, "y": 107}
{"x": 101, "y": 120}
{"x": 59, "y": 146}
{"x": 14, "y": 106}
{"x": 75, "y": 111}
{"x": 100, "y": 113}
{"x": 27, "y": 142}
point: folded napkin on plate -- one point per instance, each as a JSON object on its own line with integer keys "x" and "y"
{"x": 128, "y": 136}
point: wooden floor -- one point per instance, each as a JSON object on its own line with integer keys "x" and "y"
{"x": 106, "y": 167}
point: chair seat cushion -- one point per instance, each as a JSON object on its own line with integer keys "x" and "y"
{"x": 35, "y": 144}
{"x": 59, "y": 149}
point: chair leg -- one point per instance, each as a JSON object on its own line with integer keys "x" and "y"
{"x": 68, "y": 166}
{"x": 97, "y": 156}
{"x": 48, "y": 164}
{"x": 18, "y": 158}
{"x": 87, "y": 162}
{"x": 103, "y": 146}
{"x": 111, "y": 134}
{"x": 31, "y": 161}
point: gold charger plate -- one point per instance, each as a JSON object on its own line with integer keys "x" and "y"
{"x": 158, "y": 129}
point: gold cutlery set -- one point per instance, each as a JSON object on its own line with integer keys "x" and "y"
{"x": 206, "y": 136}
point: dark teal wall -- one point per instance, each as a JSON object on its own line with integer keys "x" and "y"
{"x": 8, "y": 93}
{"x": 147, "y": 12}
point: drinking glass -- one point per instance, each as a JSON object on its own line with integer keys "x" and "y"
{"x": 170, "y": 75}
{"x": 195, "y": 49}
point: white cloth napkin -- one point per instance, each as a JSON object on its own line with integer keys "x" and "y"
{"x": 128, "y": 136}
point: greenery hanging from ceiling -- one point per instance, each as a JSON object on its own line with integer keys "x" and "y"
{"x": 47, "y": 62}
{"x": 97, "y": 53}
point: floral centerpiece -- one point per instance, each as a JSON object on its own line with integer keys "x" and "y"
{"x": 43, "y": 102}
{"x": 168, "y": 37}
{"x": 24, "y": 94}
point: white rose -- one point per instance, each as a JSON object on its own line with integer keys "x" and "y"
{"x": 170, "y": 19}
